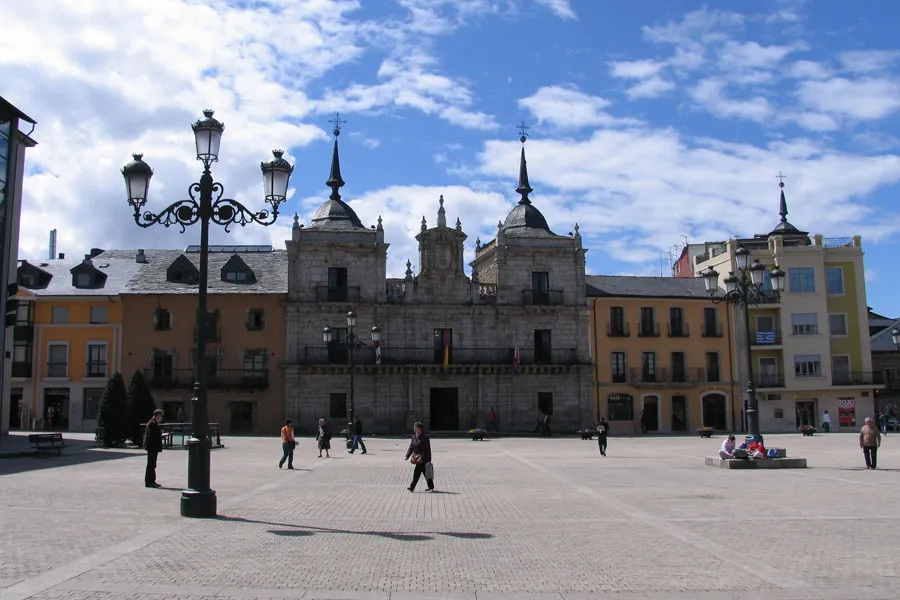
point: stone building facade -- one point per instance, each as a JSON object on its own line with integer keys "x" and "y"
{"x": 513, "y": 336}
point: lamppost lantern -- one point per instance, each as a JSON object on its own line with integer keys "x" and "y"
{"x": 757, "y": 273}
{"x": 351, "y": 319}
{"x": 895, "y": 336}
{"x": 205, "y": 204}
{"x": 208, "y": 136}
{"x": 328, "y": 335}
{"x": 731, "y": 283}
{"x": 276, "y": 177}
{"x": 710, "y": 280}
{"x": 742, "y": 258}
{"x": 777, "y": 276}
{"x": 137, "y": 175}
{"x": 376, "y": 333}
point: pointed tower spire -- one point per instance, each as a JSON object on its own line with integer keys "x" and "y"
{"x": 335, "y": 182}
{"x": 784, "y": 227}
{"x": 442, "y": 215}
{"x": 782, "y": 205}
{"x": 524, "y": 188}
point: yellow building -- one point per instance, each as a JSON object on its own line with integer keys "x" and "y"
{"x": 662, "y": 355}
{"x": 67, "y": 340}
{"x": 810, "y": 350}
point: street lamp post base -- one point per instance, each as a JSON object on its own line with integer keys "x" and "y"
{"x": 198, "y": 504}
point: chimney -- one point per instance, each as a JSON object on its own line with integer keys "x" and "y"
{"x": 52, "y": 244}
{"x": 96, "y": 252}
{"x": 62, "y": 255}
{"x": 87, "y": 260}
{"x": 140, "y": 257}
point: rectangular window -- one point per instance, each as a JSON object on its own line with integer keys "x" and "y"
{"x": 542, "y": 347}
{"x": 337, "y": 406}
{"x": 837, "y": 324}
{"x": 617, "y": 325}
{"x": 801, "y": 280}
{"x": 767, "y": 281}
{"x": 712, "y": 367}
{"x": 834, "y": 280}
{"x": 765, "y": 330}
{"x": 96, "y": 365}
{"x": 648, "y": 366}
{"x": 241, "y": 417}
{"x": 337, "y": 284}
{"x": 59, "y": 315}
{"x": 162, "y": 319}
{"x": 98, "y": 315}
{"x": 21, "y": 352}
{"x": 58, "y": 360}
{"x": 92, "y": 397}
{"x": 620, "y": 407}
{"x": 711, "y": 326}
{"x": 255, "y": 363}
{"x": 648, "y": 325}
{"x": 213, "y": 326}
{"x": 163, "y": 363}
{"x": 545, "y": 402}
{"x": 337, "y": 348}
{"x": 24, "y": 314}
{"x": 540, "y": 287}
{"x": 443, "y": 346}
{"x": 83, "y": 280}
{"x": 807, "y": 365}
{"x": 804, "y": 323}
{"x": 255, "y": 320}
{"x": 768, "y": 372}
{"x": 618, "y": 367}
{"x": 678, "y": 371}
{"x": 840, "y": 370}
{"x": 676, "y": 322}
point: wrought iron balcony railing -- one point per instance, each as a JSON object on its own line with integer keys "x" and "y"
{"x": 614, "y": 329}
{"x": 330, "y": 293}
{"x": 219, "y": 379}
{"x": 542, "y": 297}
{"x": 322, "y": 355}
{"x": 858, "y": 378}
{"x": 712, "y": 330}
{"x": 648, "y": 329}
{"x": 679, "y": 329}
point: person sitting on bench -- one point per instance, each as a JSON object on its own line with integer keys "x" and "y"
{"x": 727, "y": 450}
{"x": 756, "y": 449}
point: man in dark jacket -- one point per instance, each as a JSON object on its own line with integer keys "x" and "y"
{"x": 153, "y": 444}
{"x": 357, "y": 437}
{"x": 420, "y": 448}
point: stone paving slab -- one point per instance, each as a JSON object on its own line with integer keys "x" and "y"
{"x": 516, "y": 518}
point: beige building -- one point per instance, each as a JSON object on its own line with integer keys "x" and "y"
{"x": 810, "y": 351}
{"x": 663, "y": 355}
{"x": 245, "y": 327}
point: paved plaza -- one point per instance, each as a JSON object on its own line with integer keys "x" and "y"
{"x": 513, "y": 518}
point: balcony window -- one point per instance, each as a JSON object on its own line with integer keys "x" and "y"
{"x": 540, "y": 287}
{"x": 59, "y": 315}
{"x": 837, "y": 324}
{"x": 801, "y": 280}
{"x": 58, "y": 360}
{"x": 834, "y": 280}
{"x": 711, "y": 327}
{"x": 96, "y": 365}
{"x": 807, "y": 365}
{"x": 163, "y": 365}
{"x": 255, "y": 363}
{"x": 676, "y": 322}
{"x": 337, "y": 347}
{"x": 617, "y": 326}
{"x": 648, "y": 367}
{"x": 337, "y": 284}
{"x": 840, "y": 370}
{"x": 98, "y": 315}
{"x": 618, "y": 367}
{"x": 678, "y": 371}
{"x": 804, "y": 323}
{"x": 712, "y": 367}
{"x": 620, "y": 407}
{"x": 648, "y": 324}
{"x": 542, "y": 347}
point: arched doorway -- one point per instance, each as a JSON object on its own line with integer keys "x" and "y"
{"x": 714, "y": 411}
{"x": 650, "y": 413}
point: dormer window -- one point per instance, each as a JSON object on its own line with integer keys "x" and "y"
{"x": 83, "y": 280}
{"x": 32, "y": 277}
{"x": 27, "y": 280}
{"x": 182, "y": 270}
{"x": 86, "y": 275}
{"x": 237, "y": 271}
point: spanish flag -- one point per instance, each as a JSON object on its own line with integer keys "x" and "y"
{"x": 446, "y": 355}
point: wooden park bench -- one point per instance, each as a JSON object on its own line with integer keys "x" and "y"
{"x": 45, "y": 443}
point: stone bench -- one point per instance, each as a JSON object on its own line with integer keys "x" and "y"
{"x": 759, "y": 463}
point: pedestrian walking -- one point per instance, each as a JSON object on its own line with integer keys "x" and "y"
{"x": 357, "y": 437}
{"x": 153, "y": 444}
{"x": 869, "y": 441}
{"x": 323, "y": 437}
{"x": 539, "y": 428}
{"x": 288, "y": 443}
{"x": 643, "y": 420}
{"x": 602, "y": 431}
{"x": 826, "y": 421}
{"x": 419, "y": 454}
{"x": 492, "y": 420}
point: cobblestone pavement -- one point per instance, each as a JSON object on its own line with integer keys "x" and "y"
{"x": 513, "y": 518}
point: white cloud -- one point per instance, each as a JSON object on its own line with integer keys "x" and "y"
{"x": 652, "y": 87}
{"x": 561, "y": 8}
{"x": 636, "y": 69}
{"x": 569, "y": 108}
{"x": 711, "y": 95}
{"x": 807, "y": 69}
{"x": 869, "y": 61}
{"x": 751, "y": 55}
{"x": 863, "y": 99}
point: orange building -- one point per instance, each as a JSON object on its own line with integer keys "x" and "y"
{"x": 245, "y": 333}
{"x": 67, "y": 340}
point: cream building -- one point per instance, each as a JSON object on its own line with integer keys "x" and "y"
{"x": 810, "y": 351}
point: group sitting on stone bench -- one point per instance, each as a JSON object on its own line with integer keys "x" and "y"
{"x": 754, "y": 450}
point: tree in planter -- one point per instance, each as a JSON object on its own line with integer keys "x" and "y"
{"x": 140, "y": 407}
{"x": 113, "y": 418}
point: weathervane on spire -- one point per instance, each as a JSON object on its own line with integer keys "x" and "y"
{"x": 523, "y": 131}
{"x": 780, "y": 179}
{"x": 338, "y": 121}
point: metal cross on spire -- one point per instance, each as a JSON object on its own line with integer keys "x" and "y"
{"x": 338, "y": 121}
{"x": 780, "y": 179}
{"x": 523, "y": 131}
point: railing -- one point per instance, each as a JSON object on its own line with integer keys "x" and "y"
{"x": 542, "y": 297}
{"x": 858, "y": 378}
{"x": 57, "y": 369}
{"x": 95, "y": 369}
{"x": 766, "y": 338}
{"x": 769, "y": 381}
{"x": 843, "y": 242}
{"x": 223, "y": 378}
{"x": 487, "y": 292}
{"x": 712, "y": 330}
{"x": 617, "y": 329}
{"x": 21, "y": 369}
{"x": 648, "y": 329}
{"x": 679, "y": 330}
{"x": 668, "y": 375}
{"x": 320, "y": 355}
{"x": 620, "y": 377}
{"x": 713, "y": 375}
{"x": 327, "y": 293}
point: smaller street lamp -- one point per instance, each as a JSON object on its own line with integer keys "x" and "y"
{"x": 895, "y": 337}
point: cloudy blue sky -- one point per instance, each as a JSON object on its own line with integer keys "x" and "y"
{"x": 651, "y": 122}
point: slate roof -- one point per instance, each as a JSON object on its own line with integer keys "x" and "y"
{"x": 118, "y": 265}
{"x": 525, "y": 220}
{"x": 336, "y": 215}
{"x": 270, "y": 269}
{"x": 646, "y": 287}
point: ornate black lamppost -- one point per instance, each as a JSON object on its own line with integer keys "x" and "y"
{"x": 350, "y": 343}
{"x": 746, "y": 290}
{"x": 198, "y": 500}
{"x": 895, "y": 337}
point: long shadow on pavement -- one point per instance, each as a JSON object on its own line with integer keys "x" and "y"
{"x": 75, "y": 452}
{"x": 307, "y": 531}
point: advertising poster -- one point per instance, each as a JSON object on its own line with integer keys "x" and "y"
{"x": 847, "y": 412}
